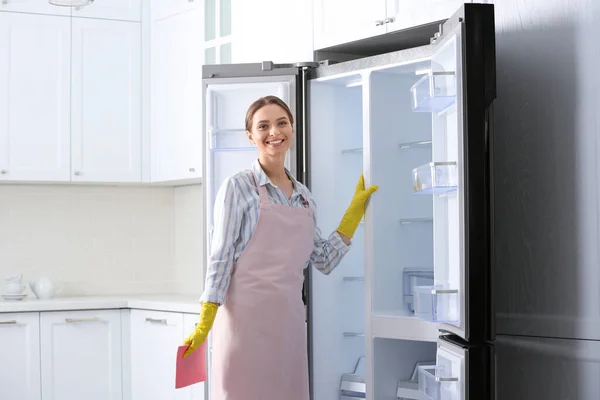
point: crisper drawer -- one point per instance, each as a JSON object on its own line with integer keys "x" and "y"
{"x": 445, "y": 380}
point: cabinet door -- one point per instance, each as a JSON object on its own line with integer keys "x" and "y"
{"x": 155, "y": 337}
{"x": 194, "y": 392}
{"x": 176, "y": 101}
{"x": 126, "y": 10}
{"x": 106, "y": 101}
{"x": 34, "y": 7}
{"x": 35, "y": 59}
{"x": 20, "y": 361}
{"x": 335, "y": 22}
{"x": 402, "y": 14}
{"x": 81, "y": 355}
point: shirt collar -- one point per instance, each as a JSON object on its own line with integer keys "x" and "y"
{"x": 263, "y": 179}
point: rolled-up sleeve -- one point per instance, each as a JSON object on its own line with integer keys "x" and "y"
{"x": 327, "y": 253}
{"x": 227, "y": 224}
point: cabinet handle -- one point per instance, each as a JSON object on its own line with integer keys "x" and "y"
{"x": 388, "y": 20}
{"x": 378, "y": 22}
{"x": 3, "y": 172}
{"x": 8, "y": 322}
{"x": 77, "y": 173}
{"x": 192, "y": 169}
{"x": 75, "y": 320}
{"x": 157, "y": 321}
{"x": 4, "y": 1}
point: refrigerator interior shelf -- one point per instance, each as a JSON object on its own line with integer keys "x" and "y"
{"x": 353, "y": 279}
{"x": 434, "y": 92}
{"x": 229, "y": 140}
{"x": 435, "y": 303}
{"x": 436, "y": 382}
{"x": 422, "y": 144}
{"x": 435, "y": 178}
{"x": 408, "y": 221}
{"x": 358, "y": 150}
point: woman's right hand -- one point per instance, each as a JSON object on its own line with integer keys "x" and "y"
{"x": 207, "y": 317}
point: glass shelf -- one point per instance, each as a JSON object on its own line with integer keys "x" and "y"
{"x": 435, "y": 178}
{"x": 353, "y": 279}
{"x": 230, "y": 140}
{"x": 434, "y": 92}
{"x": 423, "y": 144}
{"x": 358, "y": 150}
{"x": 436, "y": 304}
{"x": 436, "y": 383}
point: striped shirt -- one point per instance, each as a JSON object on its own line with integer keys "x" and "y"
{"x": 235, "y": 215}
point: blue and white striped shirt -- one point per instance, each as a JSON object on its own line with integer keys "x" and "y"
{"x": 235, "y": 215}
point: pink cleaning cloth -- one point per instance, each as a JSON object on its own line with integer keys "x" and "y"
{"x": 192, "y": 369}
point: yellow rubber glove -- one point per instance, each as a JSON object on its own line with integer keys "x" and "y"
{"x": 356, "y": 210}
{"x": 207, "y": 317}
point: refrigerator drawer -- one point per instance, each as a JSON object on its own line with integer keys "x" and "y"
{"x": 435, "y": 178}
{"x": 437, "y": 383}
{"x": 436, "y": 304}
{"x": 434, "y": 92}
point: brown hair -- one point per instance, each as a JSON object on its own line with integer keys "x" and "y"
{"x": 265, "y": 101}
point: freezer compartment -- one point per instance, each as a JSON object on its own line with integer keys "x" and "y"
{"x": 435, "y": 178}
{"x": 436, "y": 303}
{"x": 230, "y": 140}
{"x": 434, "y": 92}
{"x": 396, "y": 365}
{"x": 437, "y": 383}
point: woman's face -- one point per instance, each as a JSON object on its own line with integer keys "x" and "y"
{"x": 271, "y": 130}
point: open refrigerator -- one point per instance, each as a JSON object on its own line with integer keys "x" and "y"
{"x": 408, "y": 313}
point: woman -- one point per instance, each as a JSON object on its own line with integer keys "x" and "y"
{"x": 265, "y": 233}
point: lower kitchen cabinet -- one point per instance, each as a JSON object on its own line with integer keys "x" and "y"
{"x": 154, "y": 337}
{"x": 20, "y": 356}
{"x": 81, "y": 355}
{"x": 118, "y": 354}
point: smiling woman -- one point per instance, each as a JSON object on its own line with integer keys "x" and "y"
{"x": 265, "y": 233}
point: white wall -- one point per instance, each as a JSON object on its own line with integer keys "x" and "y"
{"x": 103, "y": 240}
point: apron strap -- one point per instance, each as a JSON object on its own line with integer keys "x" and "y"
{"x": 262, "y": 191}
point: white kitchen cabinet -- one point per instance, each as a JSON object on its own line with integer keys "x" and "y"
{"x": 106, "y": 134}
{"x": 34, "y": 7}
{"x": 81, "y": 355}
{"x": 276, "y": 30}
{"x": 155, "y": 337}
{"x": 20, "y": 356}
{"x": 35, "y": 59}
{"x": 402, "y": 14}
{"x": 176, "y": 91}
{"x": 335, "y": 22}
{"x": 125, "y": 10}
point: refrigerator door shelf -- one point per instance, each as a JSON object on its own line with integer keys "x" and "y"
{"x": 413, "y": 277}
{"x": 437, "y": 383}
{"x": 435, "y": 178}
{"x": 230, "y": 140}
{"x": 436, "y": 304}
{"x": 434, "y": 92}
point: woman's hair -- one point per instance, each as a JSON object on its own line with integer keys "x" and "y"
{"x": 264, "y": 101}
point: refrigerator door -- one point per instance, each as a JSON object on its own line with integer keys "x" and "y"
{"x": 460, "y": 372}
{"x": 228, "y": 90}
{"x": 429, "y": 245}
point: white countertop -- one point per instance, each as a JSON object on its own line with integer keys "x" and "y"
{"x": 164, "y": 302}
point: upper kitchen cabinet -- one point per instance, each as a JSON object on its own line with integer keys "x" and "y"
{"x": 35, "y": 59}
{"x": 175, "y": 61}
{"x": 336, "y": 23}
{"x": 125, "y": 10}
{"x": 34, "y": 7}
{"x": 106, "y": 141}
{"x": 274, "y": 30}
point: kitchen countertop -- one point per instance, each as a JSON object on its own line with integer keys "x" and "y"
{"x": 163, "y": 302}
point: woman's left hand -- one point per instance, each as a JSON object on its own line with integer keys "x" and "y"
{"x": 356, "y": 210}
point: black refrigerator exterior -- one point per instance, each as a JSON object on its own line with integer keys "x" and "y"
{"x": 433, "y": 339}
